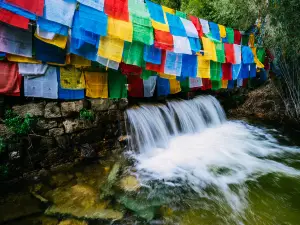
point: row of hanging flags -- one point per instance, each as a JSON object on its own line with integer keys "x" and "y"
{"x": 68, "y": 49}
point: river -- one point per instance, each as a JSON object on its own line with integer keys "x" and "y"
{"x": 185, "y": 164}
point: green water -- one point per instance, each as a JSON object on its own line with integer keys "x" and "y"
{"x": 107, "y": 192}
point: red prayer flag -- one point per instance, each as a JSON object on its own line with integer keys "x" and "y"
{"x": 206, "y": 84}
{"x": 130, "y": 69}
{"x": 13, "y": 19}
{"x": 117, "y": 9}
{"x": 136, "y": 86}
{"x": 229, "y": 52}
{"x": 226, "y": 71}
{"x": 155, "y": 67}
{"x": 10, "y": 82}
{"x": 197, "y": 24}
{"x": 163, "y": 40}
{"x": 34, "y": 6}
{"x": 237, "y": 37}
{"x": 245, "y": 82}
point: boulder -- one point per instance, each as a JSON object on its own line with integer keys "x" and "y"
{"x": 101, "y": 104}
{"x": 32, "y": 109}
{"x": 43, "y": 124}
{"x": 69, "y": 108}
{"x": 73, "y": 125}
{"x": 130, "y": 184}
{"x": 123, "y": 103}
{"x": 85, "y": 198}
{"x": 56, "y": 132}
{"x": 52, "y": 110}
{"x": 72, "y": 222}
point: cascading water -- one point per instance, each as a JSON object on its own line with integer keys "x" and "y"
{"x": 190, "y": 143}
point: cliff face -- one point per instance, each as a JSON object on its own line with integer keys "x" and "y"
{"x": 61, "y": 134}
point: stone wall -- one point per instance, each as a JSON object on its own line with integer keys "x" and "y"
{"x": 59, "y": 135}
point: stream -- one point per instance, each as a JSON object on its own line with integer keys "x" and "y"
{"x": 185, "y": 164}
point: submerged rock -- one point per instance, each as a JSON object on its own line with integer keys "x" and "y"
{"x": 95, "y": 212}
{"x": 72, "y": 222}
{"x": 111, "y": 180}
{"x": 130, "y": 184}
{"x": 80, "y": 201}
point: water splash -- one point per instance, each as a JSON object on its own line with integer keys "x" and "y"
{"x": 191, "y": 142}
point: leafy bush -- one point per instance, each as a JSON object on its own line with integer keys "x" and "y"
{"x": 17, "y": 124}
{"x": 86, "y": 115}
{"x": 2, "y": 145}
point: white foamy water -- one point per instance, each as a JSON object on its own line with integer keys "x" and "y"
{"x": 190, "y": 142}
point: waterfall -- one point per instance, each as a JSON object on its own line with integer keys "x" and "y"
{"x": 190, "y": 142}
{"x": 152, "y": 126}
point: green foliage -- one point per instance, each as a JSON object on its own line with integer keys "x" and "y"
{"x": 17, "y": 124}
{"x": 86, "y": 115}
{"x": 2, "y": 145}
{"x": 3, "y": 171}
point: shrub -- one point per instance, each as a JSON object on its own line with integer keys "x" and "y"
{"x": 17, "y": 124}
{"x": 86, "y": 115}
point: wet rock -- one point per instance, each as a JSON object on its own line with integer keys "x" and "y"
{"x": 72, "y": 222}
{"x": 33, "y": 109}
{"x": 72, "y": 126}
{"x": 43, "y": 124}
{"x": 130, "y": 184}
{"x": 60, "y": 179}
{"x": 45, "y": 220}
{"x": 5, "y": 132}
{"x": 70, "y": 108}
{"x": 18, "y": 205}
{"x": 101, "y": 104}
{"x": 123, "y": 103}
{"x": 56, "y": 132}
{"x": 52, "y": 110}
{"x": 15, "y": 155}
{"x": 80, "y": 201}
{"x": 87, "y": 151}
{"x": 63, "y": 142}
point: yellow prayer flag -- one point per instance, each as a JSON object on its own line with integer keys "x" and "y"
{"x": 174, "y": 86}
{"x": 251, "y": 40}
{"x": 203, "y": 70}
{"x": 160, "y": 26}
{"x": 209, "y": 49}
{"x": 78, "y": 61}
{"x": 111, "y": 48}
{"x": 168, "y": 10}
{"x": 167, "y": 76}
{"x": 222, "y": 31}
{"x": 22, "y": 59}
{"x": 58, "y": 40}
{"x": 71, "y": 78}
{"x": 224, "y": 84}
{"x": 256, "y": 60}
{"x": 96, "y": 84}
{"x": 120, "y": 29}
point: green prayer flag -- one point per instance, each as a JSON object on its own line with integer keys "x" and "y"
{"x": 143, "y": 34}
{"x": 185, "y": 85}
{"x": 181, "y": 14}
{"x": 215, "y": 71}
{"x": 230, "y": 35}
{"x": 133, "y": 53}
{"x": 216, "y": 84}
{"x": 261, "y": 55}
{"x": 146, "y": 73}
{"x": 220, "y": 51}
{"x": 117, "y": 85}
